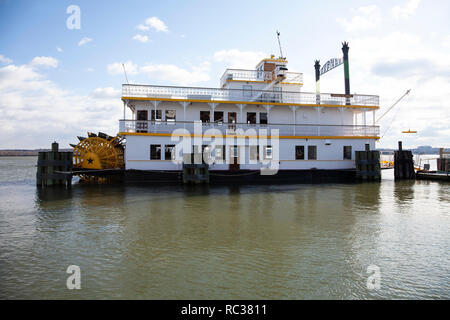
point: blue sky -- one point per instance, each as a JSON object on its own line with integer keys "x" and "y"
{"x": 53, "y": 85}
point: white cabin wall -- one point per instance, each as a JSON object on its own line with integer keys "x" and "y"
{"x": 329, "y": 153}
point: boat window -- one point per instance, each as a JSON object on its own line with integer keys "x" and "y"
{"x": 204, "y": 116}
{"x": 299, "y": 152}
{"x": 158, "y": 115}
{"x": 206, "y": 151}
{"x": 169, "y": 152}
{"x": 251, "y": 117}
{"x": 247, "y": 90}
{"x": 171, "y": 115}
{"x": 155, "y": 152}
{"x": 347, "y": 152}
{"x": 142, "y": 115}
{"x": 312, "y": 152}
{"x": 268, "y": 153}
{"x": 254, "y": 153}
{"x": 263, "y": 117}
{"x": 218, "y": 116}
{"x": 142, "y": 118}
{"x": 219, "y": 152}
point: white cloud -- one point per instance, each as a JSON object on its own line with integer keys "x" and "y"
{"x": 28, "y": 99}
{"x": 84, "y": 41}
{"x": 235, "y": 58}
{"x": 108, "y": 92}
{"x": 59, "y": 49}
{"x": 117, "y": 68}
{"x": 142, "y": 27}
{"x": 157, "y": 24}
{"x": 5, "y": 60}
{"x": 177, "y": 75}
{"x": 165, "y": 72}
{"x": 387, "y": 65}
{"x": 406, "y": 11}
{"x": 45, "y": 62}
{"x": 140, "y": 38}
{"x": 365, "y": 18}
{"x": 89, "y": 69}
{"x": 446, "y": 41}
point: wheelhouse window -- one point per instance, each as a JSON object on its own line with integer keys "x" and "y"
{"x": 312, "y": 152}
{"x": 171, "y": 115}
{"x": 155, "y": 152}
{"x": 251, "y": 117}
{"x": 158, "y": 115}
{"x": 169, "y": 152}
{"x": 263, "y": 118}
{"x": 205, "y": 116}
{"x": 347, "y": 152}
{"x": 218, "y": 117}
{"x": 299, "y": 152}
{"x": 268, "y": 153}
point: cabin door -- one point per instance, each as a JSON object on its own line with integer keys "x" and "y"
{"x": 232, "y": 120}
{"x": 234, "y": 158}
{"x": 142, "y": 121}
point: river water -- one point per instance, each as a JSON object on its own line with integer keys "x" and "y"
{"x": 246, "y": 242}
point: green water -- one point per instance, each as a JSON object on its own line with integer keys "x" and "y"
{"x": 251, "y": 242}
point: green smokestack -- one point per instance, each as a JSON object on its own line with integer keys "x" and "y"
{"x": 345, "y": 49}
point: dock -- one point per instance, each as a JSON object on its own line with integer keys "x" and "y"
{"x": 435, "y": 176}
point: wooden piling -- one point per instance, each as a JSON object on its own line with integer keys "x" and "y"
{"x": 403, "y": 164}
{"x": 368, "y": 165}
{"x": 54, "y": 167}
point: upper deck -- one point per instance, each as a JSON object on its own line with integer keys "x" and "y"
{"x": 246, "y": 75}
{"x": 244, "y": 96}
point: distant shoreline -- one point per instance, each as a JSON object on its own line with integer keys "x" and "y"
{"x": 25, "y": 153}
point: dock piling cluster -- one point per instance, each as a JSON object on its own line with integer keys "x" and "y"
{"x": 403, "y": 164}
{"x": 368, "y": 165}
{"x": 52, "y": 167}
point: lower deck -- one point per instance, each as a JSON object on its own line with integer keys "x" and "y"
{"x": 160, "y": 153}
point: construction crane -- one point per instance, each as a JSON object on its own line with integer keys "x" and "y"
{"x": 391, "y": 107}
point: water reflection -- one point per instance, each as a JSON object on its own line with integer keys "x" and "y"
{"x": 249, "y": 242}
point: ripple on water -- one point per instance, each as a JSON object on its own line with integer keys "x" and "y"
{"x": 252, "y": 242}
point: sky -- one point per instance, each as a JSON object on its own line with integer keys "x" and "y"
{"x": 60, "y": 78}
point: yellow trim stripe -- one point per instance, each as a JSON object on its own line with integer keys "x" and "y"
{"x": 241, "y": 136}
{"x": 253, "y": 102}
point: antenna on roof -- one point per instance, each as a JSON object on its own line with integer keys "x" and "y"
{"x": 279, "y": 44}
{"x": 125, "y": 71}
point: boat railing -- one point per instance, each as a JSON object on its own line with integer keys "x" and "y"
{"x": 154, "y": 92}
{"x": 258, "y": 75}
{"x": 169, "y": 126}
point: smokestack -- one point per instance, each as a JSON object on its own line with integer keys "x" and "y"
{"x": 317, "y": 67}
{"x": 345, "y": 49}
